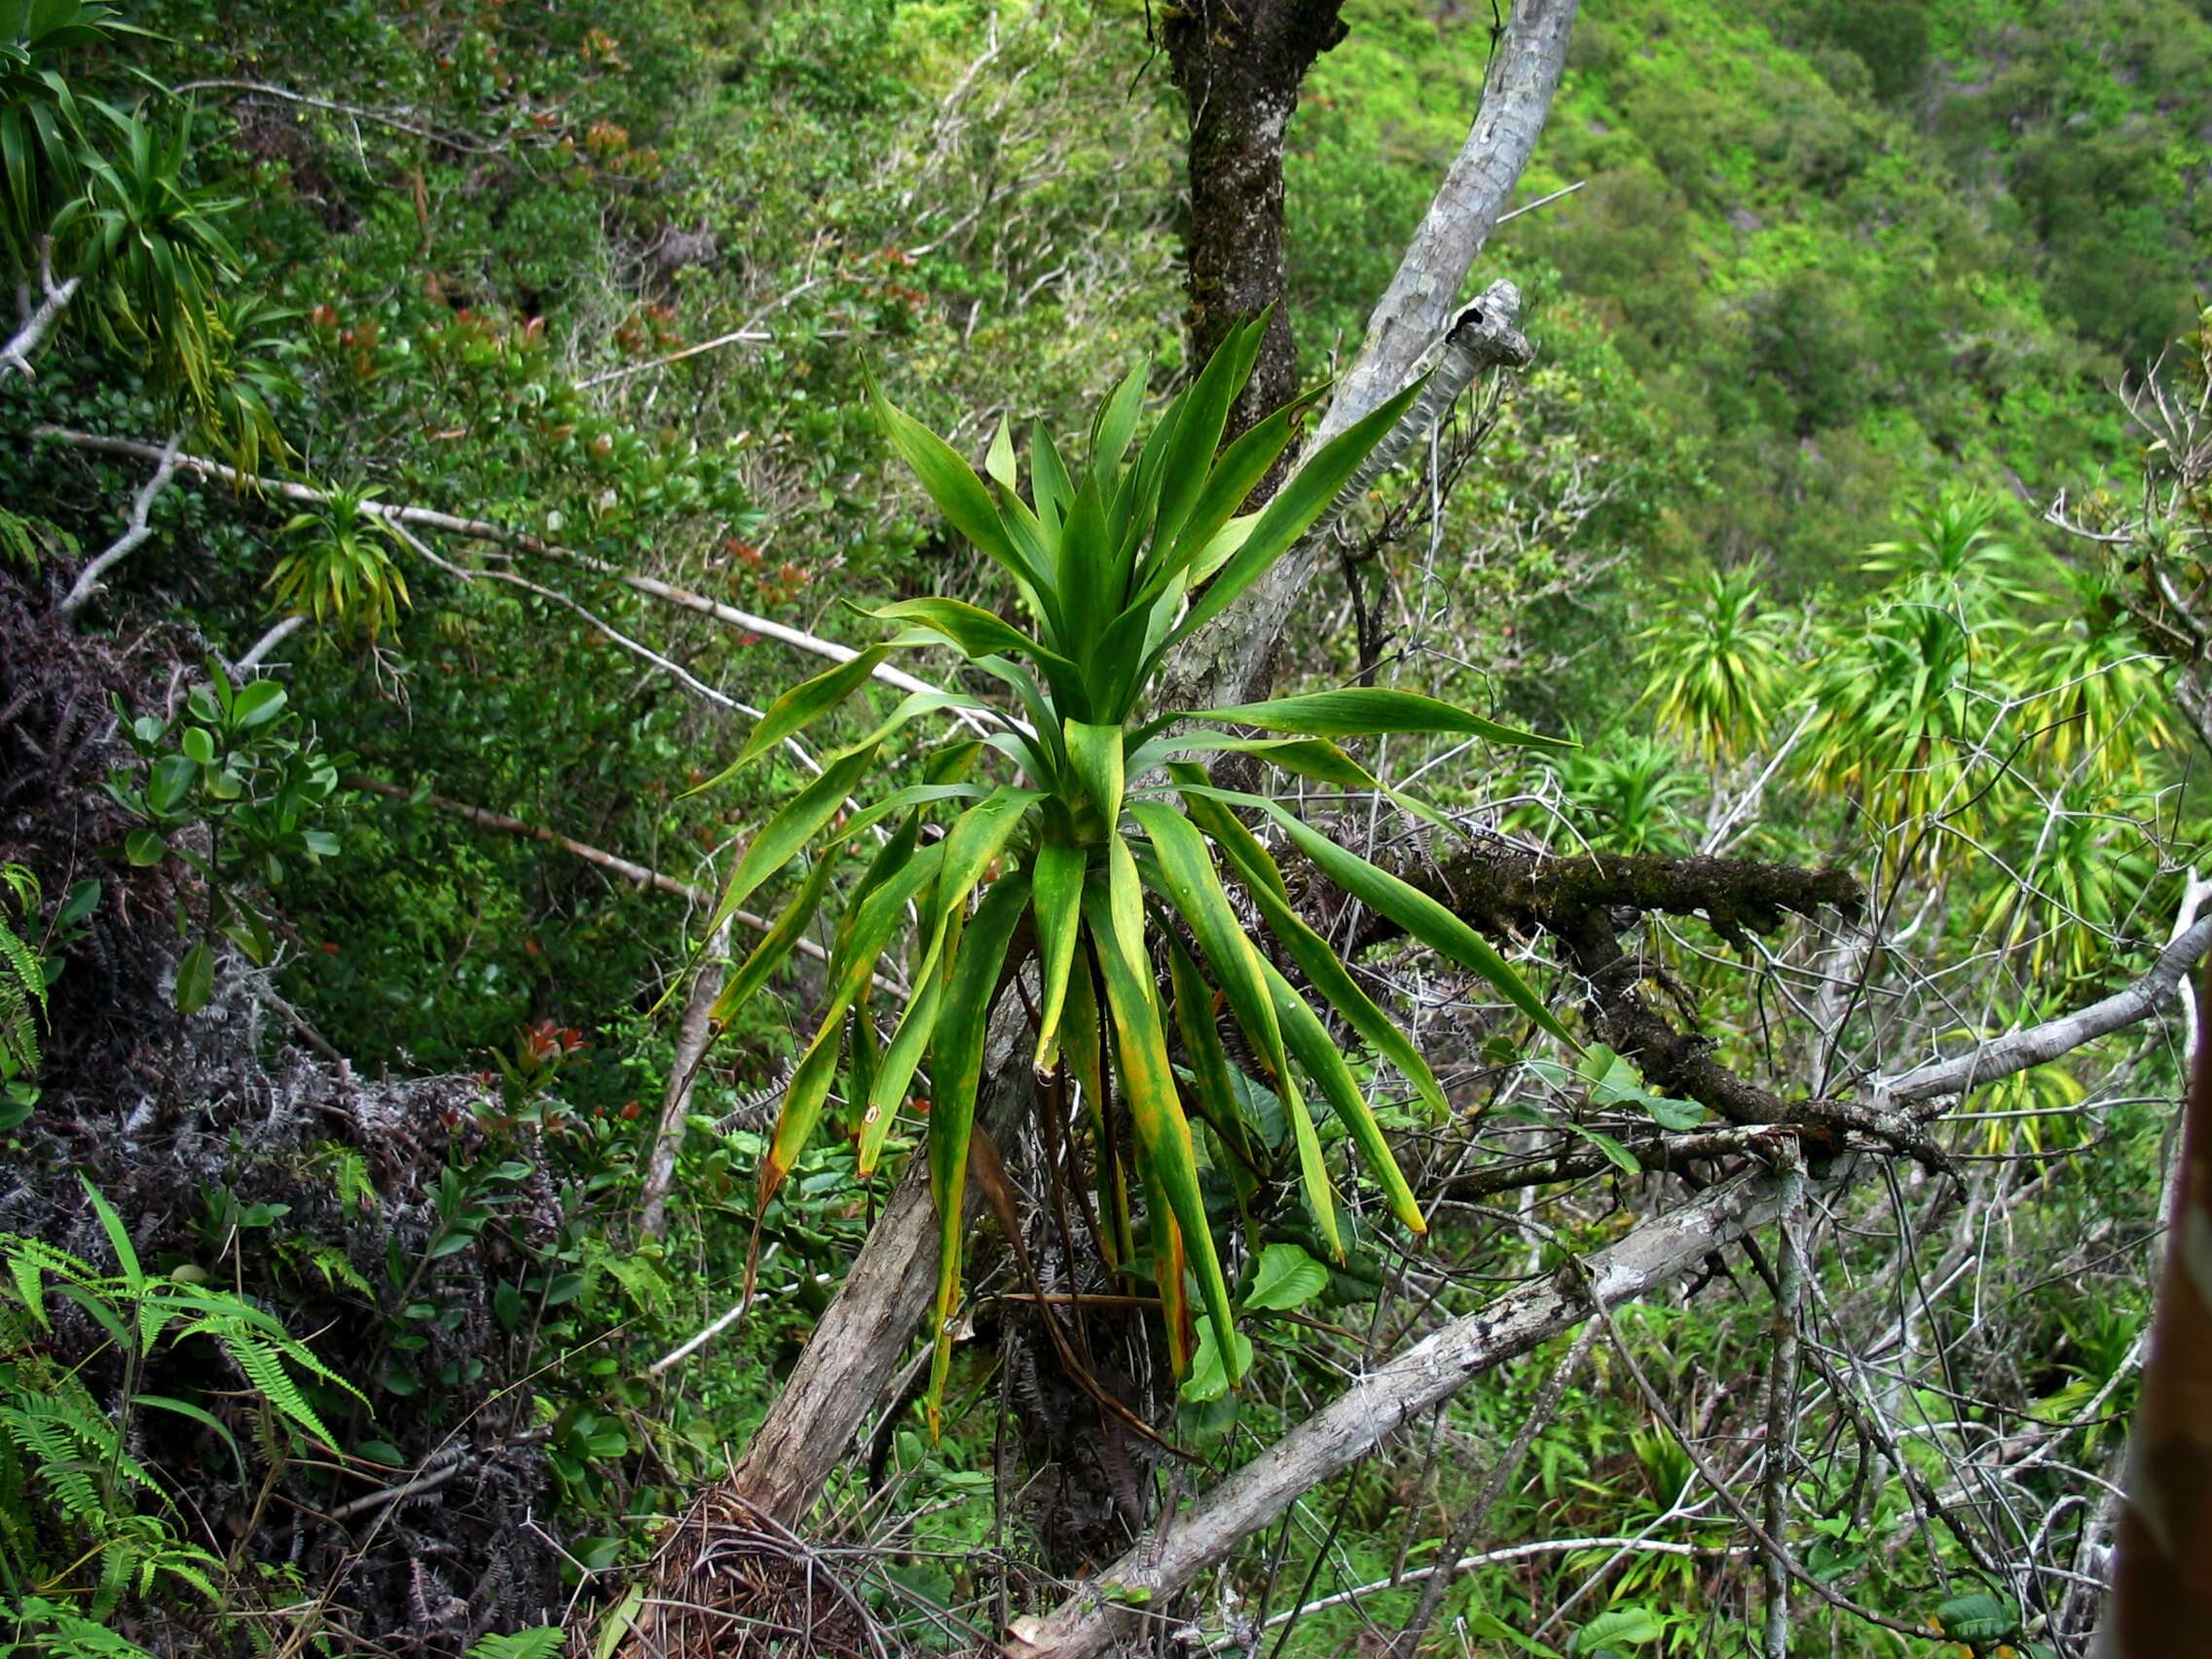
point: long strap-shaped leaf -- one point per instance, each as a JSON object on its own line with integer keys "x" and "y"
{"x": 1317, "y": 1052}
{"x": 851, "y": 964}
{"x": 1214, "y": 1088}
{"x": 1058, "y": 870}
{"x": 800, "y": 708}
{"x": 775, "y": 947}
{"x": 896, "y": 1068}
{"x": 956, "y": 1068}
{"x": 977, "y": 633}
{"x": 1294, "y": 508}
{"x": 1313, "y": 953}
{"x": 1410, "y": 908}
{"x": 1094, "y": 754}
{"x": 785, "y": 835}
{"x": 1329, "y": 975}
{"x": 960, "y": 496}
{"x": 1116, "y": 921}
{"x": 1188, "y": 881}
{"x": 1361, "y": 710}
{"x": 1086, "y": 1064}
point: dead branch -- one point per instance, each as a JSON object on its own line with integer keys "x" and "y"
{"x": 16, "y": 356}
{"x": 132, "y": 537}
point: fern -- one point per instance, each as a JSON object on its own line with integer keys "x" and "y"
{"x": 22, "y": 981}
{"x": 53, "y": 1629}
{"x": 66, "y": 1471}
{"x": 25, "y": 540}
{"x": 541, "y": 1643}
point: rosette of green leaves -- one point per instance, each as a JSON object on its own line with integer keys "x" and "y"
{"x": 1104, "y": 852}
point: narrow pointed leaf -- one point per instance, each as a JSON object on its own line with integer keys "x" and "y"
{"x": 1214, "y": 1089}
{"x": 800, "y": 708}
{"x": 956, "y": 1068}
{"x": 1205, "y": 414}
{"x": 1361, "y": 710}
{"x": 783, "y": 836}
{"x": 998, "y": 460}
{"x": 951, "y": 483}
{"x": 902, "y": 1058}
{"x": 1094, "y": 754}
{"x": 974, "y": 631}
{"x": 1328, "y": 975}
{"x": 1412, "y": 909}
{"x": 1058, "y": 871}
{"x": 1308, "y": 1039}
{"x": 1224, "y": 829}
{"x": 1315, "y": 758}
{"x": 1115, "y": 922}
{"x": 1048, "y": 479}
{"x": 776, "y": 945}
{"x": 1118, "y": 420}
{"x": 1293, "y": 511}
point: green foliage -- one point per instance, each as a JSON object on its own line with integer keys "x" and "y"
{"x": 236, "y": 770}
{"x": 44, "y": 144}
{"x": 22, "y": 998}
{"x": 1086, "y": 847}
{"x": 89, "y": 1524}
{"x": 337, "y": 565}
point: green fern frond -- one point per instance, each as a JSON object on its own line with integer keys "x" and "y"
{"x": 542, "y": 1643}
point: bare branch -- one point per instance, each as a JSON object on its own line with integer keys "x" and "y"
{"x": 483, "y": 529}
{"x": 1650, "y": 1256}
{"x": 2040, "y": 1044}
{"x": 16, "y": 356}
{"x": 89, "y": 578}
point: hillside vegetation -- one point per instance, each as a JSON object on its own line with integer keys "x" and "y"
{"x": 361, "y": 954}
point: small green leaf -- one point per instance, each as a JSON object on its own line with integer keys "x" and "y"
{"x": 257, "y": 704}
{"x": 144, "y": 847}
{"x": 194, "y": 979}
{"x": 1287, "y": 1277}
{"x": 1634, "y": 1626}
{"x": 1978, "y": 1618}
{"x": 800, "y": 708}
{"x": 1208, "y": 1379}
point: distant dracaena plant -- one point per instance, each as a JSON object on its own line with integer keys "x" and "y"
{"x": 1718, "y": 661}
{"x": 1085, "y": 862}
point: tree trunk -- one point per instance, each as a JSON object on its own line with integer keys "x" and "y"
{"x": 1239, "y": 68}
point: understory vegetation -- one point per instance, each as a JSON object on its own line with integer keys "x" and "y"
{"x": 597, "y": 621}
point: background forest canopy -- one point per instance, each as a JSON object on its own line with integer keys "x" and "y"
{"x": 438, "y": 438}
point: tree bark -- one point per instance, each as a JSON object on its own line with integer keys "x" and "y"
{"x": 1239, "y": 64}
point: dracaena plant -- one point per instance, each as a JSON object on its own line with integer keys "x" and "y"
{"x": 1099, "y": 862}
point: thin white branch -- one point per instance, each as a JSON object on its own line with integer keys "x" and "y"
{"x": 483, "y": 529}
{"x": 2040, "y": 1044}
{"x": 89, "y": 578}
{"x": 16, "y": 356}
{"x": 1509, "y": 1552}
{"x": 276, "y": 635}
